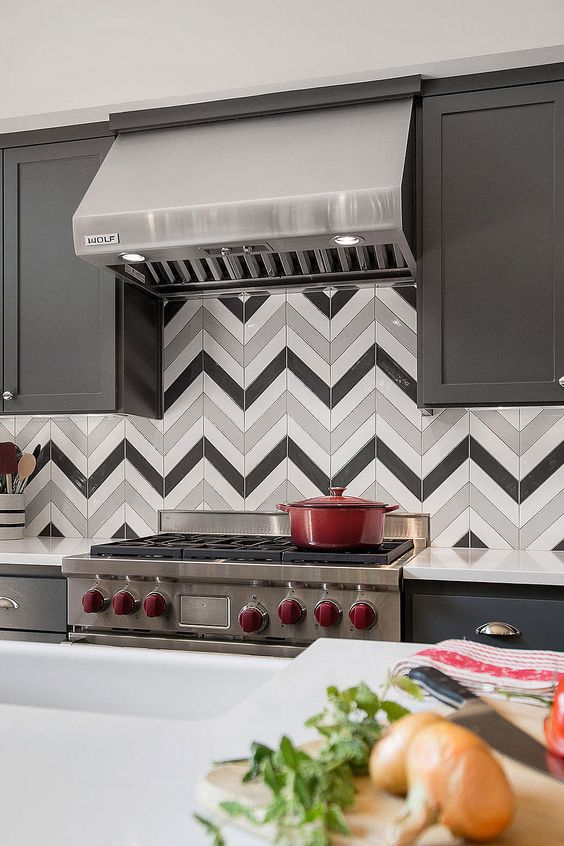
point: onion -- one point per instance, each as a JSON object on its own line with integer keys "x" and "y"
{"x": 387, "y": 764}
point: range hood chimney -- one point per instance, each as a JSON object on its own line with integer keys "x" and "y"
{"x": 267, "y": 202}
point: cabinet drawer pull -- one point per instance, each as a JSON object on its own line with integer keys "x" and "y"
{"x": 7, "y": 395}
{"x": 8, "y": 604}
{"x": 498, "y": 630}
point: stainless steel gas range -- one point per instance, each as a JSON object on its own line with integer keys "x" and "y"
{"x": 233, "y": 582}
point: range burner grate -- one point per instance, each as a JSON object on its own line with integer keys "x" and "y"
{"x": 244, "y": 548}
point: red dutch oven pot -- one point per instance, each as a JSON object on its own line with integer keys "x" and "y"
{"x": 336, "y": 522}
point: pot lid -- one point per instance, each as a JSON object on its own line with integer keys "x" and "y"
{"x": 337, "y": 499}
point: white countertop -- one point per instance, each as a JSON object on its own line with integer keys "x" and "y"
{"x": 518, "y": 567}
{"x": 73, "y": 776}
{"x": 43, "y": 550}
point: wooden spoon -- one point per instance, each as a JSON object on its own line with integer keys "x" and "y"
{"x": 26, "y": 466}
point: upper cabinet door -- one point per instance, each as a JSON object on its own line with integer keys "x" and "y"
{"x": 59, "y": 313}
{"x": 491, "y": 292}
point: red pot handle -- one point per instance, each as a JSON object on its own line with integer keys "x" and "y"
{"x": 283, "y": 506}
{"x": 389, "y": 508}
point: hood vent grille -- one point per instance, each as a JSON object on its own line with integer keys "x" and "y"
{"x": 381, "y": 264}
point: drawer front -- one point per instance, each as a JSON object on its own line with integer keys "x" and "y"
{"x": 33, "y": 604}
{"x": 539, "y": 621}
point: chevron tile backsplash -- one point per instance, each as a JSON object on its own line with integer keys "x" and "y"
{"x": 274, "y": 397}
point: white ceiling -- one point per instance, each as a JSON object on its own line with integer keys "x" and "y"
{"x": 64, "y": 61}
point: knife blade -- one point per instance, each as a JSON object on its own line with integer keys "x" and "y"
{"x": 478, "y": 715}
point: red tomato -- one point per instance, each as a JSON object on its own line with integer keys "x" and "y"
{"x": 554, "y": 723}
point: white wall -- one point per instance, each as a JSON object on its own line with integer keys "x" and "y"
{"x": 68, "y": 60}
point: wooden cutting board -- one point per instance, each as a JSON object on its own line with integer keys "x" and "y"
{"x": 539, "y": 818}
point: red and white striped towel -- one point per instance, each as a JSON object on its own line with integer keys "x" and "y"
{"x": 489, "y": 669}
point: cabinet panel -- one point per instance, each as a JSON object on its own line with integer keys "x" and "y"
{"x": 435, "y": 618}
{"x": 492, "y": 283}
{"x": 59, "y": 312}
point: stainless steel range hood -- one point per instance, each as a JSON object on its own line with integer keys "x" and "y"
{"x": 257, "y": 203}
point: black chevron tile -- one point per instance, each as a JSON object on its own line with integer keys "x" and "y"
{"x": 253, "y": 304}
{"x": 265, "y": 378}
{"x": 171, "y": 309}
{"x": 543, "y": 471}
{"x": 320, "y": 300}
{"x": 463, "y": 543}
{"x": 235, "y": 305}
{"x": 224, "y": 466}
{"x": 184, "y": 466}
{"x": 407, "y": 293}
{"x": 144, "y": 467}
{"x": 353, "y": 376}
{"x": 340, "y": 298}
{"x": 308, "y": 467}
{"x": 400, "y": 470}
{"x": 49, "y": 531}
{"x": 106, "y": 468}
{"x": 183, "y": 382}
{"x": 476, "y": 542}
{"x": 306, "y": 375}
{"x": 356, "y": 465}
{"x": 494, "y": 469}
{"x": 224, "y": 380}
{"x": 396, "y": 373}
{"x": 70, "y": 470}
{"x": 446, "y": 467}
{"x": 265, "y": 467}
{"x": 559, "y": 547}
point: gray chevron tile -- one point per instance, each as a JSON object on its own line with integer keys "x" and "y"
{"x": 489, "y": 522}
{"x": 7, "y": 428}
{"x": 451, "y": 520}
{"x": 358, "y": 416}
{"x": 544, "y": 528}
{"x": 395, "y": 327}
{"x": 182, "y": 332}
{"x": 410, "y": 433}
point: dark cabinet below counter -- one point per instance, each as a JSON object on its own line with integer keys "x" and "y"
{"x": 435, "y": 611}
{"x": 74, "y": 339}
{"x": 491, "y": 293}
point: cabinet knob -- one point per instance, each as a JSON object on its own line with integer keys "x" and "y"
{"x": 7, "y": 395}
{"x": 498, "y": 630}
{"x": 561, "y": 381}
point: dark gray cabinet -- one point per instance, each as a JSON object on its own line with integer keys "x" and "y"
{"x": 436, "y": 611}
{"x": 491, "y": 292}
{"x": 64, "y": 321}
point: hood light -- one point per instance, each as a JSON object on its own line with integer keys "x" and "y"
{"x": 347, "y": 240}
{"x": 132, "y": 258}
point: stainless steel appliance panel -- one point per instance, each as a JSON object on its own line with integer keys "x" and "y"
{"x": 33, "y": 604}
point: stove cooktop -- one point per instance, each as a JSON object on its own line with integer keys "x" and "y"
{"x": 187, "y": 546}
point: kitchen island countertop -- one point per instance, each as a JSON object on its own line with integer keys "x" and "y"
{"x": 509, "y": 566}
{"x": 73, "y": 776}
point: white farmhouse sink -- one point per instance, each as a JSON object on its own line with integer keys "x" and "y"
{"x": 128, "y": 681}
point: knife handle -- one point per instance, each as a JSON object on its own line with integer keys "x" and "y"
{"x": 442, "y": 687}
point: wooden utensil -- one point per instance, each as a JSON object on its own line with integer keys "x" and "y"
{"x": 26, "y": 466}
{"x": 539, "y": 798}
{"x": 8, "y": 463}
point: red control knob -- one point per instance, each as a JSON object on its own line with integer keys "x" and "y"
{"x": 290, "y": 612}
{"x": 327, "y": 613}
{"x": 253, "y": 619}
{"x": 362, "y": 615}
{"x": 123, "y": 602}
{"x": 155, "y": 604}
{"x": 94, "y": 601}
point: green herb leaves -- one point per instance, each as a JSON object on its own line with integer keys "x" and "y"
{"x": 310, "y": 794}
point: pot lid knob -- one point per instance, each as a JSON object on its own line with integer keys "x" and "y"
{"x": 337, "y": 491}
